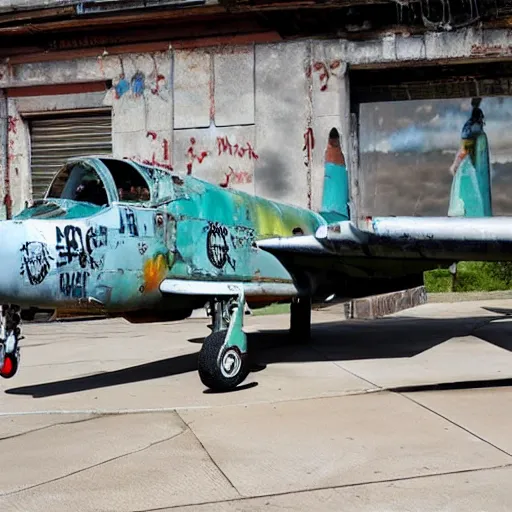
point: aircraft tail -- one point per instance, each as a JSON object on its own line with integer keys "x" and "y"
{"x": 336, "y": 190}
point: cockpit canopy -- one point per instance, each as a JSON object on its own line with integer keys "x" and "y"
{"x": 80, "y": 181}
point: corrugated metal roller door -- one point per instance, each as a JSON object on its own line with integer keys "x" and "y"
{"x": 55, "y": 140}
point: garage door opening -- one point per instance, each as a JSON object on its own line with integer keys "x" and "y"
{"x": 57, "y": 138}
{"x": 435, "y": 141}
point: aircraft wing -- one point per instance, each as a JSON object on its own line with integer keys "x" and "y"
{"x": 443, "y": 239}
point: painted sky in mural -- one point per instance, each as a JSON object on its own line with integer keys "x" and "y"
{"x": 408, "y": 147}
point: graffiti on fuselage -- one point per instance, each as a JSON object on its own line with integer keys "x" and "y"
{"x": 243, "y": 238}
{"x": 217, "y": 247}
{"x": 72, "y": 246}
{"x": 74, "y": 284}
{"x": 36, "y": 262}
{"x": 128, "y": 222}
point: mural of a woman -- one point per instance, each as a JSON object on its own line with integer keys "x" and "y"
{"x": 471, "y": 186}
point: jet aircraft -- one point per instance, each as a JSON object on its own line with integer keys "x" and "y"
{"x": 147, "y": 244}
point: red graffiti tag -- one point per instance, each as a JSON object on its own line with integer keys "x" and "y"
{"x": 155, "y": 90}
{"x": 326, "y": 71}
{"x": 165, "y": 146}
{"x": 193, "y": 156}
{"x": 309, "y": 145}
{"x": 153, "y": 163}
{"x": 236, "y": 177}
{"x": 12, "y": 124}
{"x": 224, "y": 146}
{"x": 154, "y": 160}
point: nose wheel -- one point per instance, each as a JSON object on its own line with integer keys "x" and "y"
{"x": 10, "y": 366}
{"x": 10, "y": 336}
{"x": 223, "y": 359}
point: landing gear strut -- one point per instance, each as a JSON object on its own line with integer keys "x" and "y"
{"x": 300, "y": 319}
{"x": 10, "y": 336}
{"x": 223, "y": 359}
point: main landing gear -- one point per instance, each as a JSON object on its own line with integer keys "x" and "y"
{"x": 300, "y": 319}
{"x": 223, "y": 361}
{"x": 10, "y": 336}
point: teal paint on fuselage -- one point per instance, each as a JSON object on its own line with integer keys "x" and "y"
{"x": 118, "y": 255}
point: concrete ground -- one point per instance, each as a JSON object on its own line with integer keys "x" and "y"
{"x": 407, "y": 413}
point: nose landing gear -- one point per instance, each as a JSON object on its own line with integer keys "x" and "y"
{"x": 223, "y": 359}
{"x": 10, "y": 336}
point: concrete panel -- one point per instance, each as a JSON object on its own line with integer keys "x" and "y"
{"x": 60, "y": 102}
{"x": 410, "y": 48}
{"x": 143, "y": 110}
{"x": 478, "y": 360}
{"x": 494, "y": 43}
{"x": 234, "y": 86}
{"x": 37, "y": 459}
{"x": 480, "y": 411}
{"x": 142, "y": 146}
{"x": 365, "y": 52}
{"x": 129, "y": 114}
{"x": 13, "y": 426}
{"x": 152, "y": 471}
{"x": 45, "y": 72}
{"x": 361, "y": 52}
{"x": 359, "y": 439}
{"x": 482, "y": 491}
{"x": 282, "y": 114}
{"x": 452, "y": 45}
{"x": 18, "y": 156}
{"x": 192, "y": 95}
{"x": 4, "y": 125}
{"x": 327, "y": 70}
{"x": 222, "y": 155}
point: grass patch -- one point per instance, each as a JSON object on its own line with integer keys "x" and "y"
{"x": 274, "y": 309}
{"x": 472, "y": 276}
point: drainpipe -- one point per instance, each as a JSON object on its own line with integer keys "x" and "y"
{"x": 4, "y": 154}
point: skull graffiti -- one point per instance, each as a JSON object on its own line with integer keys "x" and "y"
{"x": 217, "y": 246}
{"x": 35, "y": 262}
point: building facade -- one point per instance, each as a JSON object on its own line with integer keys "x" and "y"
{"x": 253, "y": 111}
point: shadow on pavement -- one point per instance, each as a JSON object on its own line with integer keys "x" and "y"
{"x": 401, "y": 337}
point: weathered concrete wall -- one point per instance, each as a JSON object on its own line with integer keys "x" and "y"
{"x": 253, "y": 117}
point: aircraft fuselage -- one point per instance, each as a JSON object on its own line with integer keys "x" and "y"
{"x": 66, "y": 253}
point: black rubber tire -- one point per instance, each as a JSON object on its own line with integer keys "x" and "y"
{"x": 209, "y": 371}
{"x": 14, "y": 369}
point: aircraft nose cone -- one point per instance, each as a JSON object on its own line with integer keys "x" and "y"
{"x": 12, "y": 239}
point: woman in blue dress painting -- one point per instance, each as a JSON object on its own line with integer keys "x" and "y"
{"x": 471, "y": 186}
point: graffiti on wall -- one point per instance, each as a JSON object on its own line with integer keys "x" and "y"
{"x": 437, "y": 157}
{"x": 325, "y": 71}
{"x": 161, "y": 156}
{"x": 234, "y": 159}
{"x": 138, "y": 84}
{"x": 12, "y": 124}
{"x": 194, "y": 155}
{"x": 236, "y": 178}
{"x": 237, "y": 150}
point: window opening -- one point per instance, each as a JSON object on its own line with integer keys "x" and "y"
{"x": 79, "y": 182}
{"x": 130, "y": 184}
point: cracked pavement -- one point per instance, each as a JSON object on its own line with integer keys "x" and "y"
{"x": 406, "y": 413}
